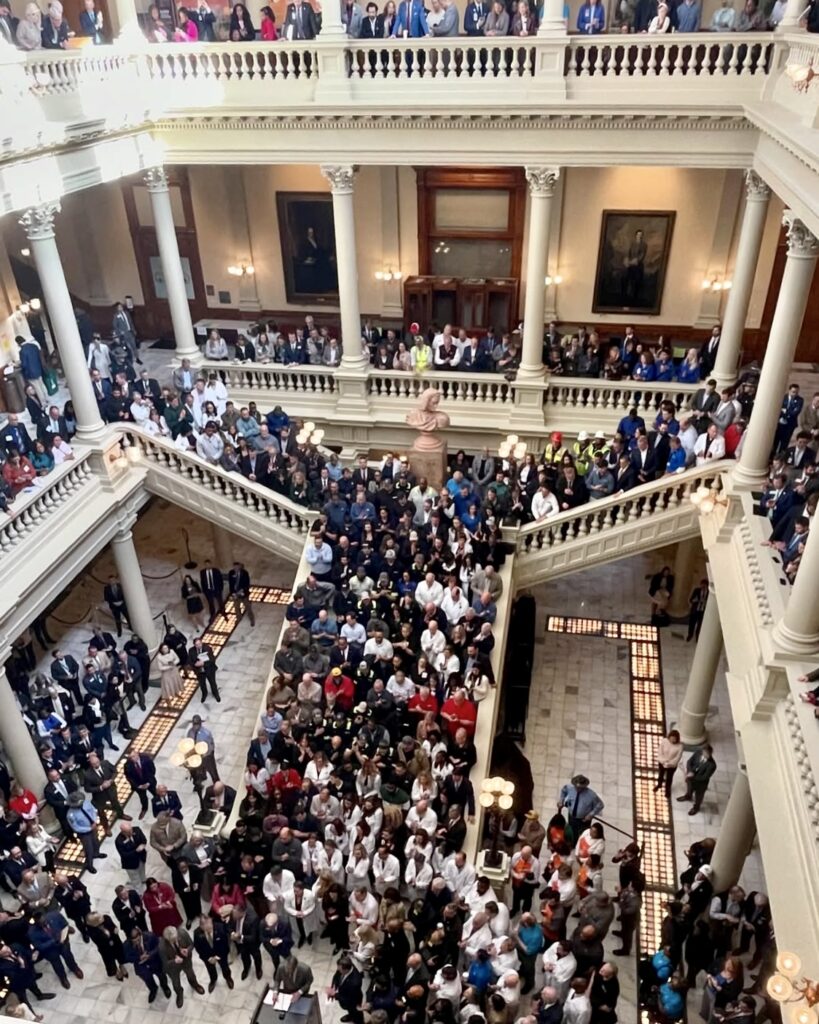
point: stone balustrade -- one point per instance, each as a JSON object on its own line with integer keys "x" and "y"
{"x": 30, "y": 511}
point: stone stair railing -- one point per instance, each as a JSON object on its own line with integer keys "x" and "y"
{"x": 29, "y": 511}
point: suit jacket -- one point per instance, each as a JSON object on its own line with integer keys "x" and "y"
{"x": 807, "y": 459}
{"x": 114, "y": 595}
{"x": 122, "y": 326}
{"x": 170, "y": 802}
{"x": 54, "y": 798}
{"x": 219, "y": 945}
{"x": 40, "y": 894}
{"x": 71, "y": 670}
{"x": 624, "y": 480}
{"x": 260, "y": 468}
{"x": 148, "y": 389}
{"x": 239, "y": 580}
{"x": 229, "y": 798}
{"x": 448, "y": 25}
{"x": 248, "y": 934}
{"x": 475, "y": 18}
{"x": 660, "y": 444}
{"x": 648, "y": 468}
{"x": 179, "y": 379}
{"x": 130, "y": 915}
{"x": 355, "y": 18}
{"x": 140, "y": 774}
{"x": 411, "y": 18}
{"x": 150, "y": 945}
{"x": 193, "y": 656}
{"x": 45, "y": 433}
{"x": 218, "y": 581}
{"x": 303, "y": 26}
{"x": 8, "y": 29}
{"x": 129, "y": 855}
{"x": 92, "y": 783}
{"x": 517, "y": 25}
{"x": 348, "y": 989}
{"x": 16, "y": 437}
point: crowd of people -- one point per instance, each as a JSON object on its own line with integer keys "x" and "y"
{"x": 201, "y": 22}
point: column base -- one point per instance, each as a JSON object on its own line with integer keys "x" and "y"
{"x": 91, "y": 435}
{"x": 747, "y": 479}
{"x": 796, "y": 644}
{"x": 196, "y": 357}
{"x": 691, "y": 728}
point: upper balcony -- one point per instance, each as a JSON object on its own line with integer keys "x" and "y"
{"x": 714, "y": 90}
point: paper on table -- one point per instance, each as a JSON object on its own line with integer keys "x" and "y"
{"x": 279, "y": 1000}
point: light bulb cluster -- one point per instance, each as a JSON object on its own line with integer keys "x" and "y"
{"x": 32, "y": 306}
{"x": 188, "y": 754}
{"x": 497, "y": 791}
{"x": 309, "y": 434}
{"x": 512, "y": 447}
{"x": 783, "y": 988}
{"x": 553, "y": 279}
{"x": 716, "y": 284}
{"x": 388, "y": 274}
{"x": 706, "y": 499}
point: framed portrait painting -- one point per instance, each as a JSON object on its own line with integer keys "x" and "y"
{"x": 308, "y": 242}
{"x": 632, "y": 260}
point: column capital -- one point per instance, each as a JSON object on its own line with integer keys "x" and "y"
{"x": 156, "y": 179}
{"x": 340, "y": 178}
{"x": 542, "y": 180}
{"x": 38, "y": 221}
{"x": 802, "y": 243}
{"x": 756, "y": 190}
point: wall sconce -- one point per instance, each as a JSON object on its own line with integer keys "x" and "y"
{"x": 554, "y": 279}
{"x": 512, "y": 447}
{"x": 496, "y": 797}
{"x": 25, "y": 252}
{"x": 706, "y": 499}
{"x": 781, "y": 988}
{"x": 388, "y": 275}
{"x": 242, "y": 270}
{"x": 309, "y": 435}
{"x": 716, "y": 284}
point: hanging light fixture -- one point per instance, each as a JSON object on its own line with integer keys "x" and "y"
{"x": 512, "y": 448}
{"x": 309, "y": 434}
{"x": 188, "y": 754}
{"x": 783, "y": 988}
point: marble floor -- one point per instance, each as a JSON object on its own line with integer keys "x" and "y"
{"x": 580, "y": 720}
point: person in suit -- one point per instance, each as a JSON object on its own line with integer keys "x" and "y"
{"x": 165, "y": 799}
{"x": 300, "y": 21}
{"x": 140, "y": 771}
{"x": 34, "y": 407}
{"x": 102, "y": 391}
{"x": 132, "y": 847}
{"x": 15, "y": 435}
{"x": 799, "y": 455}
{"x": 708, "y": 352}
{"x": 148, "y": 387}
{"x": 127, "y": 908}
{"x": 346, "y": 989}
{"x": 45, "y": 936}
{"x": 212, "y": 583}
{"x": 31, "y": 363}
{"x": 239, "y": 590}
{"x": 211, "y": 942}
{"x": 660, "y": 444}
{"x": 36, "y": 891}
{"x": 8, "y": 23}
{"x": 219, "y": 797}
{"x": 244, "y": 931}
{"x": 256, "y": 466}
{"x": 475, "y": 17}
{"x": 448, "y": 25}
{"x": 789, "y": 413}
{"x": 705, "y": 401}
{"x": 524, "y": 23}
{"x": 411, "y": 20}
{"x": 203, "y": 663}
{"x": 184, "y": 377}
{"x": 100, "y": 785}
{"x": 56, "y": 793}
{"x": 696, "y": 609}
{"x": 72, "y": 895}
{"x": 186, "y": 880}
{"x": 65, "y": 671}
{"x": 625, "y": 476}
{"x": 351, "y": 18}
{"x": 644, "y": 460}
{"x": 698, "y": 771}
{"x": 123, "y": 330}
{"x": 53, "y": 425}
{"x": 91, "y": 23}
{"x": 142, "y": 950}
{"x": 115, "y": 599}
{"x": 778, "y": 500}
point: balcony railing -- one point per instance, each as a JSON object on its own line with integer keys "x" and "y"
{"x": 719, "y": 70}
{"x": 30, "y": 511}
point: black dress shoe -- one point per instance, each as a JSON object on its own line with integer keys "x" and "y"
{"x": 259, "y": 973}
{"x": 179, "y": 999}
{"x": 103, "y": 856}
{"x": 245, "y": 973}
{"x": 620, "y": 952}
{"x": 153, "y": 995}
{"x": 694, "y": 810}
{"x": 229, "y": 982}
{"x": 90, "y": 870}
{"x": 127, "y": 817}
{"x": 46, "y": 995}
{"x": 166, "y": 991}
{"x": 685, "y": 796}
{"x": 65, "y": 983}
{"x": 211, "y": 986}
{"x": 199, "y": 990}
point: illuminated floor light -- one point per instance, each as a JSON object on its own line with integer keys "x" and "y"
{"x": 653, "y": 822}
{"x": 165, "y": 714}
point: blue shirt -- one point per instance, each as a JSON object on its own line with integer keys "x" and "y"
{"x": 480, "y": 975}
{"x": 628, "y": 427}
{"x": 532, "y": 938}
{"x": 581, "y": 803}
{"x": 688, "y": 374}
{"x": 82, "y": 819}
{"x": 591, "y": 19}
{"x": 676, "y": 460}
{"x": 688, "y": 17}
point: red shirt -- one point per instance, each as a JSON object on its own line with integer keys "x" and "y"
{"x": 466, "y": 715}
{"x": 287, "y": 779}
{"x": 343, "y": 689}
{"x": 423, "y": 704}
{"x": 25, "y": 804}
{"x": 268, "y": 30}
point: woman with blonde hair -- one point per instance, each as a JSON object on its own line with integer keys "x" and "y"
{"x": 167, "y": 661}
{"x": 364, "y": 945}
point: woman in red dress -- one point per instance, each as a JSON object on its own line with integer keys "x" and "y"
{"x": 225, "y": 894}
{"x": 160, "y": 902}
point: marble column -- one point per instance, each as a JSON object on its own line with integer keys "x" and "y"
{"x": 38, "y": 223}
{"x": 157, "y": 183}
{"x": 542, "y": 181}
{"x": 133, "y": 587}
{"x": 757, "y": 195}
{"x": 701, "y": 680}
{"x": 736, "y": 835}
{"x": 341, "y": 185}
{"x": 790, "y": 19}
{"x": 222, "y": 548}
{"x": 687, "y": 565}
{"x": 797, "y": 632}
{"x": 553, "y": 22}
{"x": 803, "y": 251}
{"x": 24, "y": 761}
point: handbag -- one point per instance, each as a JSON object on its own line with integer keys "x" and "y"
{"x": 50, "y": 381}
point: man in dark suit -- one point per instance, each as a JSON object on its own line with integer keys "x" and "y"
{"x": 705, "y": 401}
{"x": 210, "y": 940}
{"x": 212, "y": 583}
{"x": 148, "y": 387}
{"x": 8, "y": 23}
{"x": 56, "y": 792}
{"x": 123, "y": 330}
{"x": 244, "y": 930}
{"x": 256, "y": 467}
{"x": 103, "y": 641}
{"x": 15, "y": 435}
{"x": 142, "y": 950}
{"x": 140, "y": 771}
{"x": 345, "y": 988}
{"x": 65, "y": 670}
{"x": 300, "y": 21}
{"x": 778, "y": 500}
{"x": 789, "y": 414}
{"x": 52, "y": 425}
{"x": 73, "y": 897}
{"x": 625, "y": 476}
{"x": 219, "y": 797}
{"x": 708, "y": 352}
{"x": 102, "y": 389}
{"x": 644, "y": 460}
{"x": 127, "y": 908}
{"x": 100, "y": 785}
{"x": 203, "y": 663}
{"x": 799, "y": 455}
{"x": 132, "y": 847}
{"x": 115, "y": 599}
{"x": 83, "y": 747}
{"x": 239, "y": 590}
{"x": 187, "y": 884}
{"x": 165, "y": 799}
{"x": 660, "y": 444}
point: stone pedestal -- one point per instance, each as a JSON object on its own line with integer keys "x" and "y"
{"x": 429, "y": 462}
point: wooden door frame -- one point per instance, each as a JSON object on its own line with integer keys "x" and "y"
{"x": 145, "y": 242}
